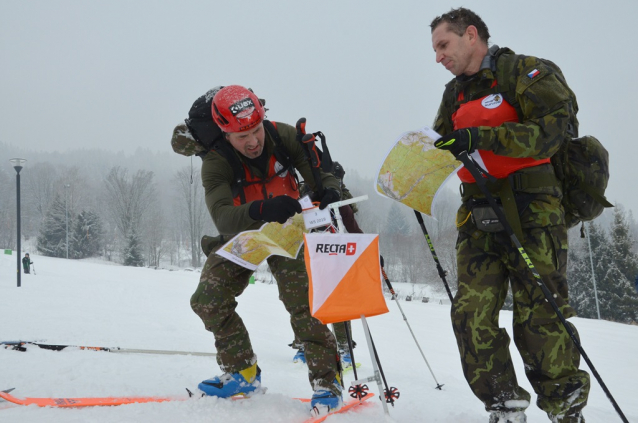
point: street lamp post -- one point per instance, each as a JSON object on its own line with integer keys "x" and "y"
{"x": 66, "y": 214}
{"x": 17, "y": 165}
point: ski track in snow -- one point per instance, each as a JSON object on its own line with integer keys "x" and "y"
{"x": 98, "y": 304}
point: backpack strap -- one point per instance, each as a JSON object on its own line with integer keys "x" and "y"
{"x": 281, "y": 152}
{"x": 222, "y": 147}
{"x": 239, "y": 175}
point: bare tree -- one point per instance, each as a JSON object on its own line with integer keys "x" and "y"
{"x": 129, "y": 200}
{"x": 40, "y": 187}
{"x": 7, "y": 210}
{"x": 154, "y": 233}
{"x": 191, "y": 204}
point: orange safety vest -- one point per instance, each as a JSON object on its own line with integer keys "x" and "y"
{"x": 272, "y": 186}
{"x": 491, "y": 110}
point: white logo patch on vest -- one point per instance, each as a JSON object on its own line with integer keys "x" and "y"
{"x": 278, "y": 167}
{"x": 492, "y": 101}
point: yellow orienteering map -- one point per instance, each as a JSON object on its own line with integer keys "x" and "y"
{"x": 250, "y": 248}
{"x": 414, "y": 170}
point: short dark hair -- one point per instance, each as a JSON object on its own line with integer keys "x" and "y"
{"x": 458, "y": 21}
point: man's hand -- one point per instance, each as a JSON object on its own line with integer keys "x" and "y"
{"x": 459, "y": 141}
{"x": 277, "y": 209}
{"x": 329, "y": 196}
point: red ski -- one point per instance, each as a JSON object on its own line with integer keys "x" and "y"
{"x": 112, "y": 401}
{"x": 84, "y": 402}
{"x": 347, "y": 406}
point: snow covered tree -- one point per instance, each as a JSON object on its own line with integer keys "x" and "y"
{"x": 622, "y": 244}
{"x": 87, "y": 235}
{"x": 132, "y": 253}
{"x": 618, "y": 298}
{"x": 52, "y": 237}
{"x": 579, "y": 268}
{"x": 397, "y": 223}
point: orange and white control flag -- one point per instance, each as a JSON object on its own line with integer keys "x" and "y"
{"x": 345, "y": 276}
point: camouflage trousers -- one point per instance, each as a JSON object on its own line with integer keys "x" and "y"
{"x": 214, "y": 302}
{"x": 487, "y": 264}
{"x": 339, "y": 330}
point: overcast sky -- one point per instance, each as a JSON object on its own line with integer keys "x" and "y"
{"x": 120, "y": 74}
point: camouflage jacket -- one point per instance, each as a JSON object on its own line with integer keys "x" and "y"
{"x": 217, "y": 178}
{"x": 544, "y": 107}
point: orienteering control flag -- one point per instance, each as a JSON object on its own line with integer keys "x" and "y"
{"x": 345, "y": 276}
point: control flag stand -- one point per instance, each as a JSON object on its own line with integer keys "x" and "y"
{"x": 341, "y": 265}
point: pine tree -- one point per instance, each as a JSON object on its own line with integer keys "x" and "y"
{"x": 133, "y": 251}
{"x": 622, "y": 244}
{"x": 621, "y": 300}
{"x": 53, "y": 231}
{"x": 582, "y": 296}
{"x": 87, "y": 235}
{"x": 397, "y": 223}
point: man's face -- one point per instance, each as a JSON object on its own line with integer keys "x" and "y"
{"x": 452, "y": 51}
{"x": 249, "y": 143}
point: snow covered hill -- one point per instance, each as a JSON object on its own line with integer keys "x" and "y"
{"x": 100, "y": 304}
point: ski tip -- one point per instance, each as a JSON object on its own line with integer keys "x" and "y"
{"x": 6, "y": 391}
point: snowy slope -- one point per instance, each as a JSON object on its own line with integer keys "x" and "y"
{"x": 96, "y": 303}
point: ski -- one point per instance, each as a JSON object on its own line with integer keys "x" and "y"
{"x": 22, "y": 346}
{"x": 347, "y": 406}
{"x": 349, "y": 368}
{"x": 85, "y": 402}
{"x": 114, "y": 401}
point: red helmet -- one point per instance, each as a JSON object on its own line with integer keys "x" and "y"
{"x": 237, "y": 109}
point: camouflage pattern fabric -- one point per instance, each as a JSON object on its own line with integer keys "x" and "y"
{"x": 340, "y": 334}
{"x": 184, "y": 143}
{"x": 487, "y": 264}
{"x": 214, "y": 302}
{"x": 545, "y": 104}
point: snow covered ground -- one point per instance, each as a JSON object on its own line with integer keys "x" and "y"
{"x": 100, "y": 304}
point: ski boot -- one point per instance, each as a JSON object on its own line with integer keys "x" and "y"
{"x": 508, "y": 417}
{"x": 245, "y": 382}
{"x": 300, "y": 357}
{"x": 346, "y": 359}
{"x": 326, "y": 400}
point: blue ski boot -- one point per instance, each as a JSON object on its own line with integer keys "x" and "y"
{"x": 346, "y": 359}
{"x": 300, "y": 357}
{"x": 326, "y": 400}
{"x": 245, "y": 382}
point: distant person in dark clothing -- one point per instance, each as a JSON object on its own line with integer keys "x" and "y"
{"x": 636, "y": 283}
{"x": 26, "y": 263}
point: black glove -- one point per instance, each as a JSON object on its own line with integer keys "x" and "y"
{"x": 329, "y": 196}
{"x": 459, "y": 141}
{"x": 277, "y": 209}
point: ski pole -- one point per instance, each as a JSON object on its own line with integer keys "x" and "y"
{"x": 394, "y": 297}
{"x": 442, "y": 273}
{"x": 473, "y": 168}
{"x": 21, "y": 346}
{"x": 34, "y": 270}
{"x": 391, "y": 393}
